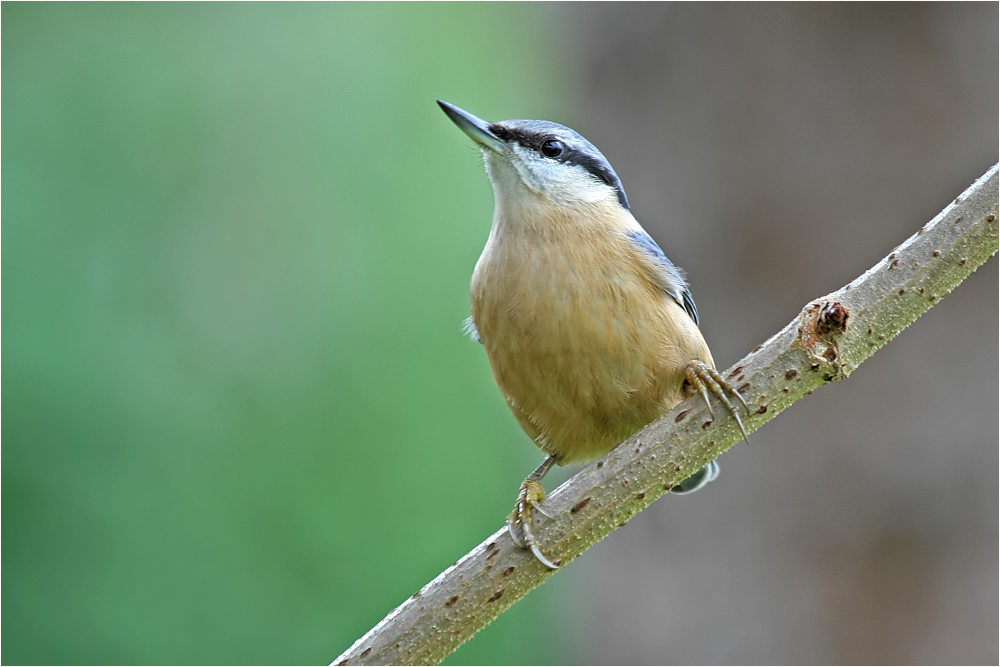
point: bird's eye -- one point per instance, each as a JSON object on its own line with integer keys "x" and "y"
{"x": 553, "y": 148}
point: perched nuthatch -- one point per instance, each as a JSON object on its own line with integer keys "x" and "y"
{"x": 590, "y": 331}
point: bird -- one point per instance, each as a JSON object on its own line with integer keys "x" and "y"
{"x": 590, "y": 331}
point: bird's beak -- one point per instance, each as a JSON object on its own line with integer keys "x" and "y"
{"x": 477, "y": 128}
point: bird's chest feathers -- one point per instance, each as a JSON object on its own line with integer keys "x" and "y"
{"x": 582, "y": 341}
{"x": 556, "y": 290}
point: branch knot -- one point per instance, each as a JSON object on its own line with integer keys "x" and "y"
{"x": 832, "y": 319}
{"x": 820, "y": 327}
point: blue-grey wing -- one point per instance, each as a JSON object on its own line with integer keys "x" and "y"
{"x": 670, "y": 277}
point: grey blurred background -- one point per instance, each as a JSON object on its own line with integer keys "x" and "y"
{"x": 776, "y": 152}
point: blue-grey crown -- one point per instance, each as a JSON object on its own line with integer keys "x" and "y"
{"x": 533, "y": 133}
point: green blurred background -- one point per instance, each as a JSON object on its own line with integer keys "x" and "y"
{"x": 241, "y": 421}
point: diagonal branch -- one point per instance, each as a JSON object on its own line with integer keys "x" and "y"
{"x": 829, "y": 339}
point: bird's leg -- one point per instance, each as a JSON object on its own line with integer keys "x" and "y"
{"x": 703, "y": 379}
{"x": 519, "y": 521}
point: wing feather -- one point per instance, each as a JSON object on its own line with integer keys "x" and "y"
{"x": 670, "y": 278}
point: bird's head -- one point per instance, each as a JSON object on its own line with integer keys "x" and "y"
{"x": 540, "y": 160}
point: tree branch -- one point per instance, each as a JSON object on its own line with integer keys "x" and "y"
{"x": 829, "y": 339}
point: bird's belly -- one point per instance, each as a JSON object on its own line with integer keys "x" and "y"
{"x": 583, "y": 369}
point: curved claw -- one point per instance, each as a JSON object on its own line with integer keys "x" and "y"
{"x": 704, "y": 395}
{"x": 703, "y": 377}
{"x": 540, "y": 510}
{"x": 693, "y": 374}
{"x": 513, "y": 523}
{"x": 743, "y": 431}
{"x": 718, "y": 390}
{"x": 518, "y": 540}
{"x": 739, "y": 397}
{"x": 527, "y": 499}
{"x": 541, "y": 557}
{"x": 520, "y": 520}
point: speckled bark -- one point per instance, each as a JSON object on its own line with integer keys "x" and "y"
{"x": 826, "y": 342}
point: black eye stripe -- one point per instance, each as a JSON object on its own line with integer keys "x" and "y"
{"x": 591, "y": 165}
{"x": 530, "y": 140}
{"x": 597, "y": 169}
{"x": 535, "y": 140}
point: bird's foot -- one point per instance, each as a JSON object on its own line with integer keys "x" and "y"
{"x": 703, "y": 378}
{"x": 519, "y": 521}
